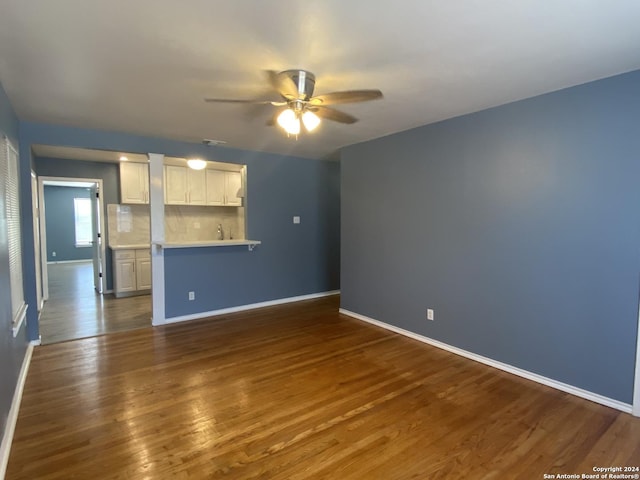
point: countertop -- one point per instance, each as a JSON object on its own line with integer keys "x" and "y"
{"x": 130, "y": 247}
{"x": 208, "y": 243}
{"x": 189, "y": 244}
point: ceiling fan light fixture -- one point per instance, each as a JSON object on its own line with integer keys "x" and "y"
{"x": 196, "y": 163}
{"x": 289, "y": 121}
{"x": 310, "y": 120}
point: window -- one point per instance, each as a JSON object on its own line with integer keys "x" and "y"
{"x": 10, "y": 196}
{"x": 82, "y": 212}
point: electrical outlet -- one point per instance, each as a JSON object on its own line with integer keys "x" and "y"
{"x": 430, "y": 314}
{"x": 53, "y": 254}
{"x": 192, "y": 296}
{"x": 296, "y": 219}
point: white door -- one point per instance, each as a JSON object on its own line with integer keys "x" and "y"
{"x": 36, "y": 237}
{"x": 96, "y": 238}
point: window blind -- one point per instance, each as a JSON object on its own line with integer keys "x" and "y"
{"x": 11, "y": 175}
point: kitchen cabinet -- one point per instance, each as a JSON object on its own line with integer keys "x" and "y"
{"x": 232, "y": 188}
{"x": 132, "y": 272}
{"x": 197, "y": 186}
{"x": 175, "y": 185}
{"x": 143, "y": 270}
{"x": 184, "y": 186}
{"x": 134, "y": 182}
{"x": 224, "y": 188}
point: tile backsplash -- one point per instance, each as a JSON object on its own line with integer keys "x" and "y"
{"x": 130, "y": 224}
{"x": 192, "y": 223}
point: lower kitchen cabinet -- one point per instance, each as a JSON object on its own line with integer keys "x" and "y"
{"x": 132, "y": 272}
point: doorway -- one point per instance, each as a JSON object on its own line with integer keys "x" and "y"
{"x": 72, "y": 256}
{"x": 78, "y": 301}
{"x": 71, "y": 215}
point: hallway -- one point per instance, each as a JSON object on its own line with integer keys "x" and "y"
{"x": 75, "y": 310}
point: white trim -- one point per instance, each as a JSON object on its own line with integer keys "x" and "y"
{"x": 43, "y": 244}
{"x": 12, "y": 418}
{"x": 156, "y": 214}
{"x": 35, "y": 210}
{"x": 22, "y": 314}
{"x": 579, "y": 392}
{"x": 636, "y": 383}
{"x": 251, "y": 306}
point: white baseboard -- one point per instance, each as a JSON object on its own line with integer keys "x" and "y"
{"x": 241, "y": 308}
{"x": 22, "y": 315}
{"x": 10, "y": 427}
{"x": 579, "y": 392}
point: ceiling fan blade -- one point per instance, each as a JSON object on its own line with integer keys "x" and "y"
{"x": 235, "y": 100}
{"x": 348, "y": 96}
{"x": 283, "y": 85}
{"x": 333, "y": 114}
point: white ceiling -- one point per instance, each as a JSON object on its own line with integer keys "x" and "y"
{"x": 144, "y": 66}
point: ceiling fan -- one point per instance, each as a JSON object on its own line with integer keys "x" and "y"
{"x": 297, "y": 104}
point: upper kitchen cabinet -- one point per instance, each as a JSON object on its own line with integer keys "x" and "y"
{"x": 224, "y": 188}
{"x": 134, "y": 182}
{"x": 197, "y": 186}
{"x": 184, "y": 186}
{"x": 175, "y": 185}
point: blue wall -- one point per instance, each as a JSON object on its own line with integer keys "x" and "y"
{"x": 61, "y": 225}
{"x": 292, "y": 260}
{"x": 519, "y": 225}
{"x": 279, "y": 187}
{"x": 12, "y": 350}
{"x": 108, "y": 172}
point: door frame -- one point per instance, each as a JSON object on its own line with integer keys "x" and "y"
{"x": 35, "y": 206}
{"x": 43, "y": 227}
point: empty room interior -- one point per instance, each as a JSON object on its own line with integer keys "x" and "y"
{"x": 319, "y": 240}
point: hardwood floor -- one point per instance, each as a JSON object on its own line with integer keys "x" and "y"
{"x": 297, "y": 392}
{"x": 75, "y": 310}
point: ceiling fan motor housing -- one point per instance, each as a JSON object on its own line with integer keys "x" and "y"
{"x": 305, "y": 82}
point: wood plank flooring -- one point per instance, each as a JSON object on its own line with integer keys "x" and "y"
{"x": 75, "y": 310}
{"x": 297, "y": 392}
